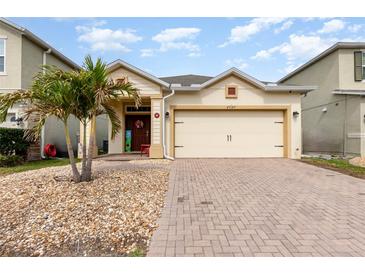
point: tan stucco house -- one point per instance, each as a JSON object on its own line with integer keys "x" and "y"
{"x": 229, "y": 115}
{"x": 333, "y": 116}
{"x": 22, "y": 55}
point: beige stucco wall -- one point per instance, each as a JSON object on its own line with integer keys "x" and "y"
{"x": 247, "y": 95}
{"x": 12, "y": 78}
{"x": 146, "y": 87}
{"x": 330, "y": 122}
{"x": 55, "y": 133}
{"x": 322, "y": 131}
{"x": 32, "y": 60}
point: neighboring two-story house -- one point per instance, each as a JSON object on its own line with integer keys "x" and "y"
{"x": 22, "y": 55}
{"x": 333, "y": 116}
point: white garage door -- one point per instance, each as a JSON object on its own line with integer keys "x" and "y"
{"x": 204, "y": 134}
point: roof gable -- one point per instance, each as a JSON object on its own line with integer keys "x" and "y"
{"x": 38, "y": 41}
{"x": 236, "y": 72}
{"x": 119, "y": 63}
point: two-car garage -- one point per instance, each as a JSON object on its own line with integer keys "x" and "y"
{"x": 219, "y": 133}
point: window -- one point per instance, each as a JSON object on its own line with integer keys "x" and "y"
{"x": 359, "y": 66}
{"x": 231, "y": 91}
{"x": 363, "y": 66}
{"x": 2, "y": 55}
{"x": 132, "y": 109}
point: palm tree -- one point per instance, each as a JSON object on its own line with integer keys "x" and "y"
{"x": 100, "y": 93}
{"x": 86, "y": 94}
{"x": 49, "y": 95}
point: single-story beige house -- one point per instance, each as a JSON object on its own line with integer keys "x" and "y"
{"x": 191, "y": 116}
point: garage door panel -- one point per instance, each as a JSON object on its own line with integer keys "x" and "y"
{"x": 228, "y": 134}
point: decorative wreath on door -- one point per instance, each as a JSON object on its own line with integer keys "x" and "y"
{"x": 139, "y": 124}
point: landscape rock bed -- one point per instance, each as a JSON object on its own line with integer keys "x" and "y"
{"x": 113, "y": 215}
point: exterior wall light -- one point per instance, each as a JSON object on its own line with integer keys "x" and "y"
{"x": 19, "y": 121}
{"x": 324, "y": 110}
{"x": 167, "y": 114}
{"x": 295, "y": 114}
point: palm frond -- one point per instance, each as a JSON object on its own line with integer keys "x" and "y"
{"x": 8, "y": 100}
{"x": 114, "y": 120}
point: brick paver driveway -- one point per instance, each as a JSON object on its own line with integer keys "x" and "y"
{"x": 260, "y": 207}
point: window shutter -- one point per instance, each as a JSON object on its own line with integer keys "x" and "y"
{"x": 358, "y": 65}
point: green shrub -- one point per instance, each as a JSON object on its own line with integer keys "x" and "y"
{"x": 12, "y": 142}
{"x": 10, "y": 160}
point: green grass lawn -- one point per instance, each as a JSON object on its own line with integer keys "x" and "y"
{"x": 339, "y": 165}
{"x": 34, "y": 165}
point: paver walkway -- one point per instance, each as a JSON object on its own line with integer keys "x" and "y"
{"x": 260, "y": 207}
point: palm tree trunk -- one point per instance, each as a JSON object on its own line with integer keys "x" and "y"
{"x": 84, "y": 159}
{"x": 90, "y": 152}
{"x": 75, "y": 172}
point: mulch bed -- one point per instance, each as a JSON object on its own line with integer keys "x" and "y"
{"x": 113, "y": 215}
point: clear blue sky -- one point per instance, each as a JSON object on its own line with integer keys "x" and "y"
{"x": 266, "y": 48}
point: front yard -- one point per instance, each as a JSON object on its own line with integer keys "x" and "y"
{"x": 44, "y": 214}
{"x": 339, "y": 165}
{"x": 34, "y": 165}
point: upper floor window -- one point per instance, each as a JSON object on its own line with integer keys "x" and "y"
{"x": 2, "y": 55}
{"x": 359, "y": 61}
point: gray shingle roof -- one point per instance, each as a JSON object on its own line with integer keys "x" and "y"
{"x": 186, "y": 80}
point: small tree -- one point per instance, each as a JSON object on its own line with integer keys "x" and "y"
{"x": 99, "y": 94}
{"x": 49, "y": 95}
{"x": 85, "y": 94}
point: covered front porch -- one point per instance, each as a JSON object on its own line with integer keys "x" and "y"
{"x": 140, "y": 133}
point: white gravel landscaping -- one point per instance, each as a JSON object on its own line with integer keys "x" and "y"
{"x": 110, "y": 216}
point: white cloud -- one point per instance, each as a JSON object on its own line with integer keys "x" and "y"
{"x": 105, "y": 39}
{"x": 286, "y": 25}
{"x": 172, "y": 35}
{"x": 240, "y": 34}
{"x": 237, "y": 62}
{"x": 147, "y": 52}
{"x": 299, "y": 47}
{"x": 354, "y": 28}
{"x": 332, "y": 26}
{"x": 176, "y": 39}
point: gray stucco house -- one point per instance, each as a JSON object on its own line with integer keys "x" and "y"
{"x": 333, "y": 116}
{"x": 22, "y": 55}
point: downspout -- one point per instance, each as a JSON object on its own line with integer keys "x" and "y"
{"x": 44, "y": 62}
{"x": 345, "y": 129}
{"x": 165, "y": 155}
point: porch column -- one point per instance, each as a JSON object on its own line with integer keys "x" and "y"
{"x": 80, "y": 144}
{"x": 156, "y": 150}
{"x": 116, "y": 144}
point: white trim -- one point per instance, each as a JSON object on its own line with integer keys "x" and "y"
{"x": 4, "y": 72}
{"x": 10, "y": 88}
{"x": 132, "y": 68}
{"x": 232, "y": 71}
{"x": 237, "y": 72}
{"x": 165, "y": 155}
{"x": 349, "y": 92}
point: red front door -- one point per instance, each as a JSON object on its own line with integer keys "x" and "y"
{"x": 140, "y": 125}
